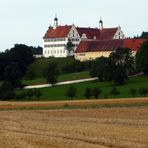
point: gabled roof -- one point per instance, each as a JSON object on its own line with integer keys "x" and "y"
{"x": 101, "y": 45}
{"x": 107, "y": 33}
{"x": 109, "y": 45}
{"x": 90, "y": 32}
{"x": 103, "y": 34}
{"x": 133, "y": 44}
{"x": 59, "y": 32}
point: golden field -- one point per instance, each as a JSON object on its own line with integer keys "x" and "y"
{"x": 79, "y": 128}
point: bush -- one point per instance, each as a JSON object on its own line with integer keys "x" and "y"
{"x": 71, "y": 92}
{"x": 37, "y": 93}
{"x": 7, "y": 91}
{"x": 22, "y": 95}
{"x": 114, "y": 91}
{"x": 96, "y": 92}
{"x": 143, "y": 91}
{"x": 133, "y": 91}
{"x": 88, "y": 93}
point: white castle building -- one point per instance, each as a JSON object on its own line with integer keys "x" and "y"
{"x": 57, "y": 37}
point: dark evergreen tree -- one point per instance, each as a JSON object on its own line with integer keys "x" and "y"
{"x": 52, "y": 73}
{"x": 96, "y": 92}
{"x": 88, "y": 93}
{"x": 12, "y": 73}
{"x": 142, "y": 58}
{"x": 71, "y": 92}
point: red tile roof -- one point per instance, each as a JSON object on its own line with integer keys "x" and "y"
{"x": 107, "y": 33}
{"x": 133, "y": 44}
{"x": 62, "y": 31}
{"x": 59, "y": 32}
{"x": 90, "y": 32}
{"x": 101, "y": 45}
{"x": 109, "y": 45}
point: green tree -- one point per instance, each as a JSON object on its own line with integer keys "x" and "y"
{"x": 69, "y": 46}
{"x": 37, "y": 93}
{"x": 101, "y": 68}
{"x": 122, "y": 64}
{"x": 71, "y": 92}
{"x": 114, "y": 91}
{"x": 133, "y": 91}
{"x": 12, "y": 73}
{"x": 143, "y": 91}
{"x": 142, "y": 58}
{"x": 96, "y": 92}
{"x": 52, "y": 73}
{"x": 7, "y": 91}
{"x": 88, "y": 93}
{"x": 30, "y": 74}
{"x": 30, "y": 93}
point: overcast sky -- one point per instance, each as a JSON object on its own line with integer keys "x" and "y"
{"x": 26, "y": 21}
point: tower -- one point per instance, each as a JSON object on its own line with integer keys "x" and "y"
{"x": 101, "y": 24}
{"x": 55, "y": 22}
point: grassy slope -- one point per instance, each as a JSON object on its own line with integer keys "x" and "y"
{"x": 64, "y": 77}
{"x": 58, "y": 92}
{"x": 41, "y": 64}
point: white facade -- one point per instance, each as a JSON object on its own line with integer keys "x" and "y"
{"x": 119, "y": 34}
{"x": 56, "y": 47}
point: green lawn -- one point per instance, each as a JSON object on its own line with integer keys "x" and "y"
{"x": 64, "y": 77}
{"x": 58, "y": 92}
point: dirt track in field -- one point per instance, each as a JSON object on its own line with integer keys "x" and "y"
{"x": 83, "y": 128}
{"x": 13, "y": 105}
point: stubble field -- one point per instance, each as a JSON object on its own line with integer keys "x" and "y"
{"x": 84, "y": 128}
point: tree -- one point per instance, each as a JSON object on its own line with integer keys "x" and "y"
{"x": 142, "y": 58}
{"x": 22, "y": 55}
{"x": 37, "y": 93}
{"x": 71, "y": 92}
{"x": 52, "y": 73}
{"x": 30, "y": 93}
{"x": 12, "y": 73}
{"x": 96, "y": 92}
{"x": 133, "y": 91}
{"x": 88, "y": 93}
{"x": 6, "y": 91}
{"x": 143, "y": 91}
{"x": 114, "y": 91}
{"x": 30, "y": 74}
{"x": 69, "y": 46}
{"x": 122, "y": 63}
{"x": 101, "y": 68}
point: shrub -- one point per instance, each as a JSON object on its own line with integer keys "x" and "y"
{"x": 71, "y": 92}
{"x": 133, "y": 91}
{"x": 96, "y": 92}
{"x": 88, "y": 93}
{"x": 143, "y": 91}
{"x": 114, "y": 91}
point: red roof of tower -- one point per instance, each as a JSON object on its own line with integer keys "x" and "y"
{"x": 59, "y": 32}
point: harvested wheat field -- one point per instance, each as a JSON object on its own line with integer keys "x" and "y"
{"x": 83, "y": 128}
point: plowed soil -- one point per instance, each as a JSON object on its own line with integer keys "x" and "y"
{"x": 82, "y": 128}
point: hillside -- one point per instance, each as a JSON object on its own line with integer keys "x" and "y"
{"x": 58, "y": 92}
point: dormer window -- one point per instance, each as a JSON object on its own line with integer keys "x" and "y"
{"x": 84, "y": 36}
{"x": 95, "y": 38}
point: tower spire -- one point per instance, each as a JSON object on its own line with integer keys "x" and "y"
{"x": 55, "y": 22}
{"x": 101, "y": 24}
